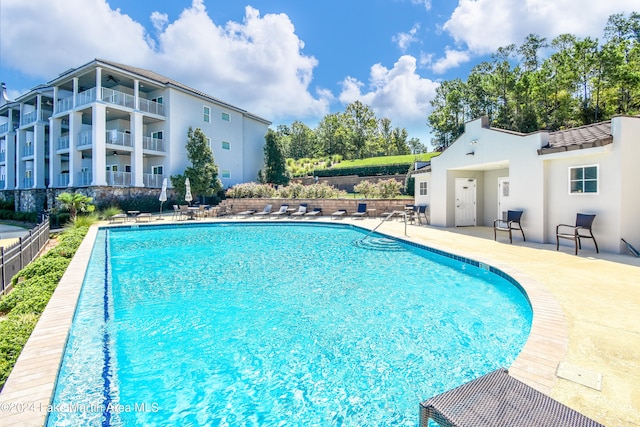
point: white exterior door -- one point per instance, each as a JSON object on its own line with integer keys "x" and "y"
{"x": 503, "y": 197}
{"x": 465, "y": 202}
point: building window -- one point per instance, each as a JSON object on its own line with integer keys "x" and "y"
{"x": 226, "y": 174}
{"x": 226, "y": 145}
{"x": 158, "y": 100}
{"x": 226, "y": 117}
{"x": 157, "y": 170}
{"x": 583, "y": 179}
{"x": 209, "y": 143}
{"x": 423, "y": 188}
{"x": 157, "y": 135}
{"x": 206, "y": 114}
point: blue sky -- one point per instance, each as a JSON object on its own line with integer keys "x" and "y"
{"x": 288, "y": 60}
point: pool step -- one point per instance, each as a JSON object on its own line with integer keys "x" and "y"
{"x": 378, "y": 244}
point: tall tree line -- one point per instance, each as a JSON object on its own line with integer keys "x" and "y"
{"x": 355, "y": 133}
{"x": 567, "y": 82}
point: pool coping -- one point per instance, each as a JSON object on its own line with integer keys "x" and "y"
{"x": 26, "y": 397}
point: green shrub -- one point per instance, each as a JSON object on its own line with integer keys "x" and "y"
{"x": 364, "y": 170}
{"x": 14, "y": 333}
{"x": 8, "y": 205}
{"x": 108, "y": 212}
{"x": 40, "y": 267}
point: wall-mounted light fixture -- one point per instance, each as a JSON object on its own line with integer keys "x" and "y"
{"x": 474, "y": 141}
{"x": 470, "y": 153}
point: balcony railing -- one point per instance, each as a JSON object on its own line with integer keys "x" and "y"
{"x": 4, "y": 128}
{"x": 119, "y": 98}
{"x": 27, "y": 182}
{"x": 121, "y": 179}
{"x": 63, "y": 143}
{"x": 33, "y": 116}
{"x": 62, "y": 180}
{"x": 86, "y": 97}
{"x": 154, "y": 144}
{"x": 152, "y": 180}
{"x": 27, "y": 150}
{"x": 151, "y": 107}
{"x": 84, "y": 178}
{"x": 84, "y": 138}
{"x": 3, "y": 184}
{"x": 64, "y": 104}
{"x": 119, "y": 138}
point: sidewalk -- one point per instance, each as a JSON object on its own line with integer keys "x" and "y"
{"x": 9, "y": 234}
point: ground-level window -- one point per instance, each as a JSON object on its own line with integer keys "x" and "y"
{"x": 206, "y": 114}
{"x": 226, "y": 145}
{"x": 226, "y": 174}
{"x": 424, "y": 188}
{"x": 583, "y": 179}
{"x": 226, "y": 117}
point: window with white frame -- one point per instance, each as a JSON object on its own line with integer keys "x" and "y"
{"x": 226, "y": 145}
{"x": 424, "y": 185}
{"x": 159, "y": 100}
{"x": 157, "y": 170}
{"x": 226, "y": 117}
{"x": 583, "y": 179}
{"x": 209, "y": 143}
{"x": 157, "y": 134}
{"x": 226, "y": 174}
{"x": 206, "y": 114}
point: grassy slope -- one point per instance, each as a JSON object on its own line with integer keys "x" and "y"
{"x": 388, "y": 160}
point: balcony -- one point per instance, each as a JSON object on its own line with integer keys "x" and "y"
{"x": 33, "y": 116}
{"x": 151, "y": 180}
{"x": 153, "y": 144}
{"x": 118, "y": 138}
{"x": 27, "y": 151}
{"x": 62, "y": 180}
{"x": 84, "y": 178}
{"x": 86, "y": 97}
{"x": 151, "y": 107}
{"x": 63, "y": 143}
{"x": 119, "y": 98}
{"x": 3, "y": 156}
{"x": 27, "y": 182}
{"x": 3, "y": 184}
{"x": 84, "y": 138}
{"x": 119, "y": 179}
{"x": 64, "y": 104}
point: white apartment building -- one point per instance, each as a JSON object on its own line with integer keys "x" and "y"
{"x": 106, "y": 124}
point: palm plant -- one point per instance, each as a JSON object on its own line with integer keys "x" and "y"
{"x": 75, "y": 203}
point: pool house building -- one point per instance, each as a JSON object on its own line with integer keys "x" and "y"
{"x": 550, "y": 176}
{"x": 105, "y": 127}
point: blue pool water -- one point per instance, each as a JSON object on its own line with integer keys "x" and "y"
{"x": 274, "y": 324}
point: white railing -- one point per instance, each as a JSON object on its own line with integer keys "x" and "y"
{"x": 84, "y": 178}
{"x": 62, "y": 180}
{"x": 3, "y": 183}
{"x": 84, "y": 138}
{"x": 152, "y": 180}
{"x": 64, "y": 104}
{"x": 3, "y": 157}
{"x": 27, "y": 182}
{"x": 119, "y": 178}
{"x": 119, "y": 138}
{"x": 4, "y": 128}
{"x": 154, "y": 144}
{"x": 29, "y": 118}
{"x": 119, "y": 98}
{"x": 151, "y": 107}
{"x": 27, "y": 150}
{"x": 86, "y": 97}
{"x": 63, "y": 143}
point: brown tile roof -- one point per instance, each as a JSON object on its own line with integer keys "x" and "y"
{"x": 593, "y": 135}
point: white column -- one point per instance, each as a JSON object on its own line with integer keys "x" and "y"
{"x": 11, "y": 160}
{"x": 75, "y": 156}
{"x": 21, "y": 139}
{"x": 98, "y": 84}
{"x": 137, "y": 161}
{"x": 98, "y": 144}
{"x": 136, "y": 94}
{"x": 55, "y": 131}
{"x": 75, "y": 92}
{"x": 38, "y": 154}
{"x": 55, "y": 100}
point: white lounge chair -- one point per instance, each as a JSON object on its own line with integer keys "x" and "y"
{"x": 266, "y": 211}
{"x": 302, "y": 210}
{"x": 340, "y": 213}
{"x": 281, "y": 212}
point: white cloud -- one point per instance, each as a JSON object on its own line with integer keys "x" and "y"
{"x": 398, "y": 93}
{"x": 257, "y": 64}
{"x": 405, "y": 39}
{"x": 485, "y": 25}
{"x": 452, "y": 59}
{"x": 425, "y": 3}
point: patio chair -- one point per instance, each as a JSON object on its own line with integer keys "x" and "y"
{"x": 361, "y": 212}
{"x": 144, "y": 215}
{"x": 314, "y": 213}
{"x": 281, "y": 212}
{"x": 184, "y": 212}
{"x": 508, "y": 225}
{"x": 302, "y": 210}
{"x": 340, "y": 213}
{"x": 266, "y": 211}
{"x": 577, "y": 232}
{"x": 116, "y": 217}
{"x": 176, "y": 213}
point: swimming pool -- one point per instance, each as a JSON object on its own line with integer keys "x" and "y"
{"x": 257, "y": 324}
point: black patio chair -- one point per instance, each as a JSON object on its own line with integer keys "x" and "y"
{"x": 577, "y": 232}
{"x": 508, "y": 225}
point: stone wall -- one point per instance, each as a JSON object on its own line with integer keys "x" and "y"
{"x": 328, "y": 206}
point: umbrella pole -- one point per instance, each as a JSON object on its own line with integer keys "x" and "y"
{"x": 160, "y": 214}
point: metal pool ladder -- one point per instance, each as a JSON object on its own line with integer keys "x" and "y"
{"x": 359, "y": 242}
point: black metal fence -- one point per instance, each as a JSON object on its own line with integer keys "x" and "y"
{"x": 15, "y": 257}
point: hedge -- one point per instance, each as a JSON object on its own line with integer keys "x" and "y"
{"x": 365, "y": 170}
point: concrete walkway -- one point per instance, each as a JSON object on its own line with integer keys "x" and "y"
{"x": 597, "y": 298}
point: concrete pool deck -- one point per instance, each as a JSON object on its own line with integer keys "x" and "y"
{"x": 591, "y": 302}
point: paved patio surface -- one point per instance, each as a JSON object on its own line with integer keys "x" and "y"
{"x": 591, "y": 300}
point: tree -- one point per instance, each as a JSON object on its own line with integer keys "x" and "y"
{"x": 362, "y": 125}
{"x": 75, "y": 203}
{"x": 203, "y": 172}
{"x": 275, "y": 162}
{"x": 302, "y": 141}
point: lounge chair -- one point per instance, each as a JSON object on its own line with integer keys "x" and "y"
{"x": 361, "y": 212}
{"x": 577, "y": 232}
{"x": 340, "y": 213}
{"x": 508, "y": 225}
{"x": 144, "y": 215}
{"x": 114, "y": 218}
{"x": 247, "y": 213}
{"x": 314, "y": 213}
{"x": 266, "y": 211}
{"x": 281, "y": 212}
{"x": 302, "y": 210}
